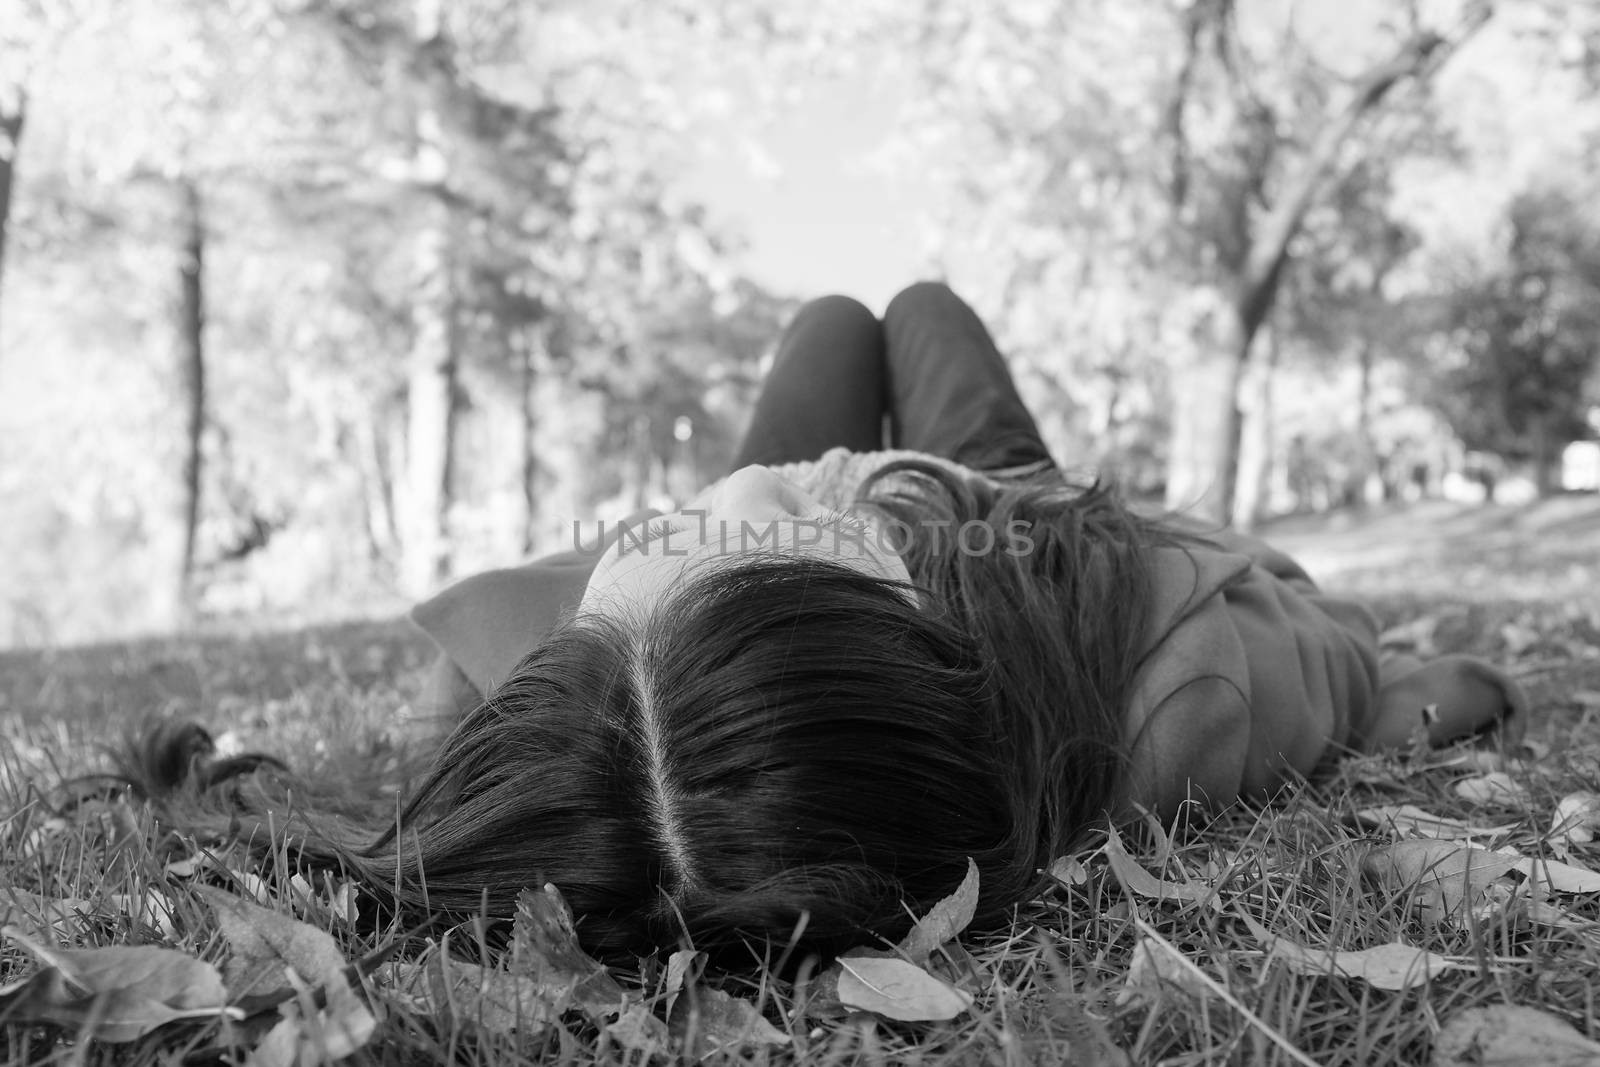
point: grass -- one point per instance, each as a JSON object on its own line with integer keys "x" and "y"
{"x": 1061, "y": 984}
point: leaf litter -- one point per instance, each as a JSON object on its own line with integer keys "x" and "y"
{"x": 271, "y": 953}
{"x": 114, "y": 994}
{"x": 1510, "y": 1035}
{"x": 897, "y": 984}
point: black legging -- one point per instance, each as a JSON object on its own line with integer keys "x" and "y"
{"x": 930, "y": 366}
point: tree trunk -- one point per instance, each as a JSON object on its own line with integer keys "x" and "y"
{"x": 377, "y": 488}
{"x": 533, "y": 351}
{"x": 430, "y": 395}
{"x": 1203, "y": 463}
{"x": 13, "y": 115}
{"x": 1205, "y": 421}
{"x": 1257, "y": 450}
{"x": 1366, "y": 449}
{"x": 192, "y": 377}
{"x": 1546, "y": 461}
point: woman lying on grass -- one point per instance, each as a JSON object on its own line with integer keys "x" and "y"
{"x": 794, "y": 709}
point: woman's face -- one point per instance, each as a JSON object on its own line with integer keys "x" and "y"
{"x": 753, "y": 510}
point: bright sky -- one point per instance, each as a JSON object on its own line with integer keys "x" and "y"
{"x": 818, "y": 214}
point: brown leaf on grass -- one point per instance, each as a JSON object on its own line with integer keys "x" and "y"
{"x": 706, "y": 1020}
{"x": 30, "y": 911}
{"x": 1152, "y": 967}
{"x": 944, "y": 921}
{"x": 68, "y": 916}
{"x": 1544, "y": 913}
{"x": 1409, "y": 821}
{"x": 544, "y": 947}
{"x": 280, "y": 1047}
{"x": 270, "y": 953}
{"x": 910, "y": 988}
{"x": 1069, "y": 871}
{"x": 897, "y": 989}
{"x": 1576, "y": 818}
{"x": 1508, "y": 1035}
{"x": 1447, "y": 876}
{"x": 1558, "y": 877}
{"x": 488, "y": 998}
{"x": 638, "y": 1030}
{"x": 731, "y": 1024}
{"x": 120, "y": 993}
{"x": 1496, "y": 787}
{"x": 1135, "y": 879}
{"x": 1392, "y": 966}
{"x": 682, "y": 967}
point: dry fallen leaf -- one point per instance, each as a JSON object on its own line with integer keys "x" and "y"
{"x": 30, "y": 911}
{"x": 1135, "y": 879}
{"x": 1392, "y": 966}
{"x": 638, "y": 1030}
{"x": 1406, "y": 820}
{"x": 1508, "y": 1035}
{"x": 1496, "y": 787}
{"x": 944, "y": 921}
{"x": 270, "y": 952}
{"x": 1559, "y": 877}
{"x": 1545, "y": 913}
{"x": 66, "y": 916}
{"x": 1069, "y": 871}
{"x": 1447, "y": 876}
{"x": 544, "y": 947}
{"x": 897, "y": 989}
{"x": 490, "y": 999}
{"x": 1576, "y": 818}
{"x": 1153, "y": 965}
{"x": 120, "y": 993}
{"x": 280, "y": 1046}
{"x": 887, "y": 983}
{"x": 706, "y": 1020}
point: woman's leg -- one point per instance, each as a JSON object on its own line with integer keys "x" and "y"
{"x": 950, "y": 392}
{"x": 826, "y": 388}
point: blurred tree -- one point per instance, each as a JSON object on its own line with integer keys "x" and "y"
{"x": 1336, "y": 308}
{"x": 30, "y": 34}
{"x": 1247, "y": 233}
{"x": 1523, "y": 372}
{"x": 144, "y": 122}
{"x": 1164, "y": 191}
{"x": 13, "y": 115}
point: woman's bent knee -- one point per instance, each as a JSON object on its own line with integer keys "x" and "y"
{"x": 915, "y": 298}
{"x": 837, "y": 307}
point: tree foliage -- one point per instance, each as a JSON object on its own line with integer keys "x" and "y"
{"x": 454, "y": 294}
{"x": 1522, "y": 368}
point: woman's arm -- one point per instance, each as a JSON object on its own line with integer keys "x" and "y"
{"x": 1443, "y": 700}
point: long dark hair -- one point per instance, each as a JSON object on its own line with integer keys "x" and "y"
{"x": 791, "y": 750}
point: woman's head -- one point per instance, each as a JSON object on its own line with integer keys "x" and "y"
{"x": 784, "y": 743}
{"x": 784, "y": 746}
